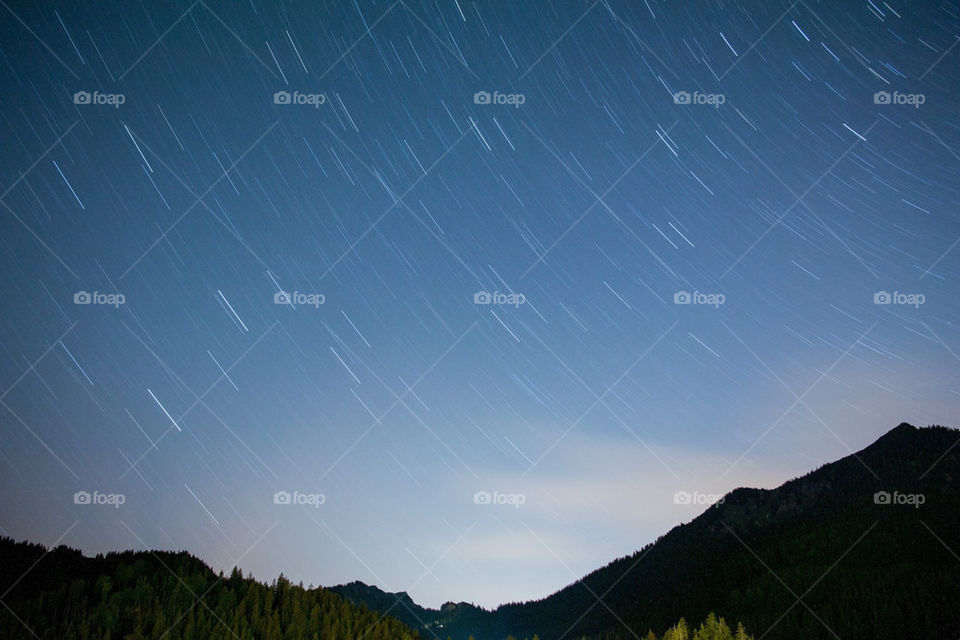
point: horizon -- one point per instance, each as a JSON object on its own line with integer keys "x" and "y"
{"x": 309, "y": 584}
{"x": 463, "y": 300}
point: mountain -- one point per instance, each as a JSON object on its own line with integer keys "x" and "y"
{"x": 399, "y": 605}
{"x": 864, "y": 547}
{"x": 403, "y": 608}
{"x": 61, "y": 594}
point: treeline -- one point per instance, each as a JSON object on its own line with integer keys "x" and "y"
{"x": 713, "y": 628}
{"x": 174, "y": 596}
{"x": 61, "y": 594}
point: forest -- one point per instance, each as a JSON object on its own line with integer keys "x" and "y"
{"x": 60, "y": 594}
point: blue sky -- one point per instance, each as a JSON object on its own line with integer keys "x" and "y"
{"x": 247, "y": 249}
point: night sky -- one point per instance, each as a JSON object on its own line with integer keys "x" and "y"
{"x": 487, "y": 290}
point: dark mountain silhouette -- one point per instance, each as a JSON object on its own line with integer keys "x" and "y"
{"x": 399, "y": 605}
{"x": 865, "y": 547}
{"x": 63, "y": 595}
{"x": 402, "y": 607}
{"x": 817, "y": 557}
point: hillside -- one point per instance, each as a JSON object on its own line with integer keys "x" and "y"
{"x": 860, "y": 569}
{"x": 64, "y": 595}
{"x": 864, "y": 547}
{"x": 398, "y": 605}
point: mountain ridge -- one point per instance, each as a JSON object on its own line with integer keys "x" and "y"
{"x": 861, "y": 547}
{"x": 831, "y": 499}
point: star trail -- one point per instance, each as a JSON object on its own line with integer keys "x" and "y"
{"x": 453, "y": 297}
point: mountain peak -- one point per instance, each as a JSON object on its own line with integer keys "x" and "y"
{"x": 901, "y": 430}
{"x": 754, "y": 535}
{"x": 906, "y": 440}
